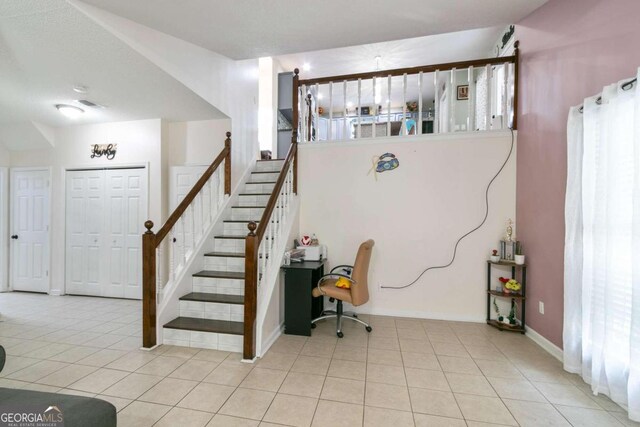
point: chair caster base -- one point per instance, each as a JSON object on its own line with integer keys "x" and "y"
{"x": 339, "y": 334}
{"x": 369, "y": 328}
{"x": 313, "y": 326}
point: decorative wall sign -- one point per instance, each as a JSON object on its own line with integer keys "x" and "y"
{"x": 106, "y": 150}
{"x": 384, "y": 163}
{"x": 463, "y": 92}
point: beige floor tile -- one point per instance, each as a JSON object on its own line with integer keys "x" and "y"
{"x": 484, "y": 409}
{"x": 343, "y": 390}
{"x": 211, "y": 355}
{"x": 311, "y": 365}
{"x": 184, "y": 352}
{"x": 102, "y": 357}
{"x": 442, "y": 336}
{"x": 194, "y": 370}
{"x": 416, "y": 346}
{"x": 508, "y": 388}
{"x": 184, "y": 418}
{"x": 423, "y": 420}
{"x": 231, "y": 374}
{"x": 347, "y": 369}
{"x": 169, "y": 391}
{"x": 41, "y": 387}
{"x": 421, "y": 361}
{"x": 36, "y": 371}
{"x": 246, "y": 403}
{"x": 264, "y": 379}
{"x": 434, "y": 402}
{"x": 460, "y": 365}
{"x": 386, "y": 332}
{"x": 584, "y": 417}
{"x": 470, "y": 384}
{"x": 348, "y": 352}
{"x": 387, "y": 396}
{"x": 499, "y": 369}
{"x": 75, "y": 392}
{"x": 624, "y": 419}
{"x": 450, "y": 349}
{"x": 422, "y": 378}
{"x": 6, "y": 383}
{"x": 318, "y": 348}
{"x": 384, "y": 343}
{"x": 14, "y": 364}
{"x": 274, "y": 360}
{"x": 386, "y": 374}
{"x": 300, "y": 384}
{"x": 565, "y": 394}
{"x": 382, "y": 322}
{"x": 384, "y": 357}
{"x": 488, "y": 352}
{"x": 407, "y": 323}
{"x": 74, "y": 354}
{"x": 131, "y": 361}
{"x": 161, "y": 366}
{"x": 98, "y": 381}
{"x": 380, "y": 417}
{"x": 132, "y": 386}
{"x": 141, "y": 414}
{"x": 533, "y": 414}
{"x": 220, "y": 420}
{"x": 67, "y": 375}
{"x": 337, "y": 414}
{"x": 288, "y": 344}
{"x": 206, "y": 397}
{"x": 413, "y": 334}
{"x": 49, "y": 350}
{"x": 119, "y": 402}
{"x": 291, "y": 410}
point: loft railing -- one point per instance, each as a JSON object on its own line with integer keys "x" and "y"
{"x": 472, "y": 95}
{"x": 166, "y": 253}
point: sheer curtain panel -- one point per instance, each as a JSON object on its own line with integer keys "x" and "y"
{"x": 602, "y": 244}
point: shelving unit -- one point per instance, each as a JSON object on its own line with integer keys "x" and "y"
{"x": 520, "y": 297}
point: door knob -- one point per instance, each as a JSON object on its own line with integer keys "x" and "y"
{"x": 14, "y": 237}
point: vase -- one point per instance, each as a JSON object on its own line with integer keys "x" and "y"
{"x": 519, "y": 259}
{"x": 495, "y": 258}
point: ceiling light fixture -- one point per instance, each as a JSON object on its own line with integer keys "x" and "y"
{"x": 80, "y": 89}
{"x": 70, "y": 111}
{"x": 306, "y": 66}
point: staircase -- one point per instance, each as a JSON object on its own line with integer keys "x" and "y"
{"x": 212, "y": 315}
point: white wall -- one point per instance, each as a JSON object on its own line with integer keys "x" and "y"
{"x": 415, "y": 214}
{"x": 196, "y": 142}
{"x": 139, "y": 143}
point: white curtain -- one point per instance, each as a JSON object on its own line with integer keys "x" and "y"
{"x": 602, "y": 244}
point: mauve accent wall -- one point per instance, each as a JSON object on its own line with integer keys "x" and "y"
{"x": 570, "y": 50}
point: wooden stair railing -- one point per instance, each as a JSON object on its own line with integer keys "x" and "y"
{"x": 151, "y": 241}
{"x": 263, "y": 236}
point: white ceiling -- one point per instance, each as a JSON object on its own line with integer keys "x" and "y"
{"x": 48, "y": 46}
{"x": 242, "y": 29}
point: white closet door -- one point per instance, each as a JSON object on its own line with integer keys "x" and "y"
{"x": 126, "y": 200}
{"x": 85, "y": 217}
{"x": 30, "y": 230}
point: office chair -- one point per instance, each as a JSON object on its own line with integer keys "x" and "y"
{"x": 357, "y": 295}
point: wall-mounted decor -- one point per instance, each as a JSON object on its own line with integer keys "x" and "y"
{"x": 365, "y": 111}
{"x": 106, "y": 150}
{"x": 384, "y": 163}
{"x": 463, "y": 92}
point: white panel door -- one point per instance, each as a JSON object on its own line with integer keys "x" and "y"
{"x": 30, "y": 230}
{"x": 85, "y": 218}
{"x": 126, "y": 199}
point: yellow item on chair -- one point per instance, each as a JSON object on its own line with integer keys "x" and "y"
{"x": 343, "y": 283}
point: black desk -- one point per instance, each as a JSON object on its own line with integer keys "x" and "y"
{"x": 300, "y": 307}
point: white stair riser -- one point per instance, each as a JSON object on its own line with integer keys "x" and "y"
{"x": 218, "y": 286}
{"x": 196, "y": 339}
{"x": 236, "y": 228}
{"x": 212, "y": 310}
{"x": 218, "y": 263}
{"x": 265, "y": 177}
{"x": 229, "y": 245}
{"x": 245, "y": 200}
{"x": 249, "y": 214}
{"x": 258, "y": 188}
{"x": 269, "y": 166}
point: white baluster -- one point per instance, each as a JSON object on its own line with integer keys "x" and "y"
{"x": 330, "y": 136}
{"x": 375, "y": 108}
{"x": 404, "y": 104}
{"x": 359, "y": 99}
{"x": 471, "y": 115}
{"x": 452, "y": 101}
{"x": 419, "y": 120}
{"x": 436, "y": 103}
{"x": 389, "y": 105}
{"x": 344, "y": 114}
{"x": 317, "y": 113}
{"x": 505, "y": 97}
{"x": 487, "y": 116}
{"x": 172, "y": 253}
{"x": 184, "y": 240}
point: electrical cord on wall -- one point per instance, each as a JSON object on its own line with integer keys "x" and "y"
{"x": 486, "y": 215}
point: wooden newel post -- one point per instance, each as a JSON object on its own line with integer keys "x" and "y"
{"x": 227, "y": 165}
{"x": 250, "y": 292}
{"x": 295, "y": 125}
{"x": 516, "y": 70}
{"x": 148, "y": 286}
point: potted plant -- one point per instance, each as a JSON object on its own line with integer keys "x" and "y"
{"x": 494, "y": 256}
{"x": 519, "y": 257}
{"x": 510, "y": 286}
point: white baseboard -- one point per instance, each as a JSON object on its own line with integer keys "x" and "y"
{"x": 546, "y": 345}
{"x": 272, "y": 338}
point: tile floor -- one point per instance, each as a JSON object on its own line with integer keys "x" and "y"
{"x": 407, "y": 372}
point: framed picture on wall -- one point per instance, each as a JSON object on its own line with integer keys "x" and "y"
{"x": 463, "y": 92}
